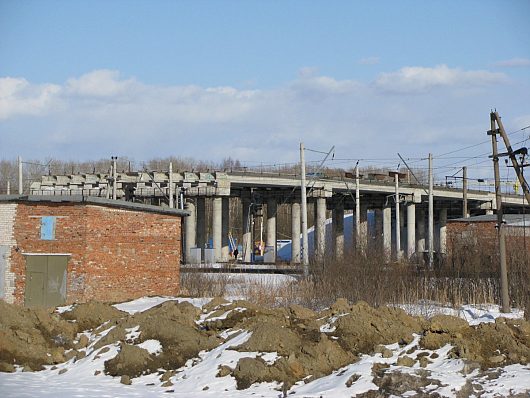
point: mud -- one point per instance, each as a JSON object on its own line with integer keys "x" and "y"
{"x": 32, "y": 338}
{"x": 308, "y": 344}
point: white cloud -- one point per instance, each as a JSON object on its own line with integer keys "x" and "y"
{"x": 417, "y": 79}
{"x": 369, "y": 61}
{"x": 514, "y": 63}
{"x": 19, "y": 97}
{"x": 100, "y": 83}
{"x": 102, "y": 113}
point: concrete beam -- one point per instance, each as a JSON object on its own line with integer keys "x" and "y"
{"x": 320, "y": 228}
{"x": 272, "y": 208}
{"x": 295, "y": 233}
{"x": 411, "y": 229}
{"x": 443, "y": 230}
{"x": 247, "y": 230}
{"x": 225, "y": 230}
{"x": 217, "y": 228}
{"x": 190, "y": 228}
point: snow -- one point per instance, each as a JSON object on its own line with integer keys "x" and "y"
{"x": 145, "y": 303}
{"x": 473, "y": 314}
{"x": 152, "y": 346}
{"x": 198, "y": 378}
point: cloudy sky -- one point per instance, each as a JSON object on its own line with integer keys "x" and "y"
{"x": 251, "y": 79}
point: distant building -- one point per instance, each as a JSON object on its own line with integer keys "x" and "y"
{"x": 480, "y": 233}
{"x": 58, "y": 250}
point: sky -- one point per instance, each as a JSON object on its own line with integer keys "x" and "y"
{"x": 252, "y": 79}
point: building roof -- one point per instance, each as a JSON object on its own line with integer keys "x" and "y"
{"x": 93, "y": 200}
{"x": 510, "y": 219}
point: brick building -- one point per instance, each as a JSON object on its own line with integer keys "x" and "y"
{"x": 59, "y": 250}
{"x": 481, "y": 232}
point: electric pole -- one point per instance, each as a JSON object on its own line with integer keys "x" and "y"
{"x": 305, "y": 239}
{"x": 431, "y": 214}
{"x": 398, "y": 216}
{"x": 465, "y": 213}
{"x": 114, "y": 158}
{"x": 505, "y": 300}
{"x": 357, "y": 210}
{"x": 170, "y": 190}
{"x": 20, "y": 184}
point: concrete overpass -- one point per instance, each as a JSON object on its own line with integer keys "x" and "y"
{"x": 259, "y": 191}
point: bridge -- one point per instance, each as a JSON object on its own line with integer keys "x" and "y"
{"x": 399, "y": 228}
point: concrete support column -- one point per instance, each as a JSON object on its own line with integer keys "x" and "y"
{"x": 387, "y": 231}
{"x": 443, "y": 230}
{"x": 420, "y": 229}
{"x": 225, "y": 229}
{"x": 201, "y": 224}
{"x": 363, "y": 228}
{"x": 338, "y": 230}
{"x": 411, "y": 229}
{"x": 320, "y": 228}
{"x": 190, "y": 228}
{"x": 217, "y": 227}
{"x": 247, "y": 230}
{"x": 272, "y": 208}
{"x": 295, "y": 233}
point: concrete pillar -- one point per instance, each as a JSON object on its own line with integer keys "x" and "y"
{"x": 420, "y": 229}
{"x": 272, "y": 207}
{"x": 363, "y": 228}
{"x": 247, "y": 230}
{"x": 190, "y": 228}
{"x": 295, "y": 233}
{"x": 217, "y": 227}
{"x": 443, "y": 230}
{"x": 387, "y": 231}
{"x": 320, "y": 228}
{"x": 338, "y": 230}
{"x": 201, "y": 224}
{"x": 225, "y": 229}
{"x": 411, "y": 229}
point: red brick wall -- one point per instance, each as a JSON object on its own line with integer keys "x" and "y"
{"x": 131, "y": 254}
{"x": 115, "y": 254}
{"x": 70, "y": 232}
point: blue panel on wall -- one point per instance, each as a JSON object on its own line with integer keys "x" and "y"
{"x": 47, "y": 228}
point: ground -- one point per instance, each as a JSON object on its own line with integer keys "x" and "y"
{"x": 212, "y": 347}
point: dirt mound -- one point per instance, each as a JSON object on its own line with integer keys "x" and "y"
{"x": 504, "y": 342}
{"x": 92, "y": 314}
{"x": 172, "y": 324}
{"x": 363, "y": 327}
{"x": 131, "y": 361}
{"x": 32, "y": 338}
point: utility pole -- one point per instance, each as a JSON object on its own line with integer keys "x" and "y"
{"x": 20, "y": 183}
{"x": 357, "y": 209}
{"x": 114, "y": 158}
{"x": 398, "y": 221}
{"x": 505, "y": 300}
{"x": 465, "y": 213}
{"x": 512, "y": 154}
{"x": 305, "y": 239}
{"x": 8, "y": 190}
{"x": 171, "y": 205}
{"x": 431, "y": 214}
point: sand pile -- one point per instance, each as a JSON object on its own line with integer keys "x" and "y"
{"x": 304, "y": 344}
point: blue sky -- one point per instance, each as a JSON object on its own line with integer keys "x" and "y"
{"x": 259, "y": 76}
